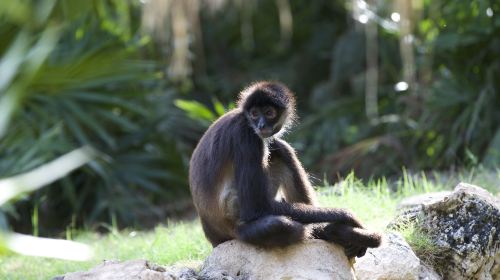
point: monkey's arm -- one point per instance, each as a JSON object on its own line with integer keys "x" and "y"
{"x": 252, "y": 183}
{"x": 256, "y": 200}
{"x": 297, "y": 188}
{"x": 308, "y": 214}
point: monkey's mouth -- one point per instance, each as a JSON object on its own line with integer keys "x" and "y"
{"x": 265, "y": 132}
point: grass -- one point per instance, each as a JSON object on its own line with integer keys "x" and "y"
{"x": 373, "y": 202}
{"x": 163, "y": 245}
{"x": 421, "y": 244}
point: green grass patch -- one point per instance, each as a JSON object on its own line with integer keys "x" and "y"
{"x": 421, "y": 243}
{"x": 163, "y": 245}
{"x": 375, "y": 202}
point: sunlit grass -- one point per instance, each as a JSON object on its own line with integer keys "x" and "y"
{"x": 420, "y": 243}
{"x": 373, "y": 206}
{"x": 163, "y": 245}
{"x": 373, "y": 202}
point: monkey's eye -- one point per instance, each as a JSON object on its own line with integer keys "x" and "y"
{"x": 270, "y": 113}
{"x": 254, "y": 113}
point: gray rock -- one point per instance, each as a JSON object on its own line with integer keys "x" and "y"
{"x": 394, "y": 260}
{"x": 465, "y": 227}
{"x": 313, "y": 259}
{"x": 410, "y": 208}
{"x": 421, "y": 200}
{"x": 428, "y": 273}
{"x": 131, "y": 270}
{"x": 111, "y": 270}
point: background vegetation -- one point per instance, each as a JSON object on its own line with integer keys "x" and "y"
{"x": 380, "y": 85}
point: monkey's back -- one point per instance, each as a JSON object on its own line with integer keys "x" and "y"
{"x": 214, "y": 152}
{"x": 211, "y": 177}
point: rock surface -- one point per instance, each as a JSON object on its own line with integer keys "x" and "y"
{"x": 419, "y": 201}
{"x": 394, "y": 260}
{"x": 427, "y": 273}
{"x": 131, "y": 270}
{"x": 314, "y": 259}
{"x": 465, "y": 227}
{"x": 234, "y": 260}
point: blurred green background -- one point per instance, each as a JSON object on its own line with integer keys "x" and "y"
{"x": 381, "y": 85}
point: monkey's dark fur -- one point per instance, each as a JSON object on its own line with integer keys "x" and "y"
{"x": 236, "y": 175}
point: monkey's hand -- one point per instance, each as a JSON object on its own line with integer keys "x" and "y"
{"x": 354, "y": 240}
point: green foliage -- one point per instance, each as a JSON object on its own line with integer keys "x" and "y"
{"x": 195, "y": 110}
{"x": 15, "y": 186}
{"x": 448, "y": 117}
{"x": 74, "y": 76}
{"x": 460, "y": 107}
{"x": 76, "y": 73}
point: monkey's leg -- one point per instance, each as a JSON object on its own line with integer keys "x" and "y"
{"x": 354, "y": 240}
{"x": 286, "y": 167}
{"x": 212, "y": 234}
{"x": 272, "y": 231}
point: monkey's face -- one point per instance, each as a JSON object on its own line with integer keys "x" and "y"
{"x": 265, "y": 120}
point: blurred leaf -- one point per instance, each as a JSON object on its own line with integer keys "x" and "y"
{"x": 46, "y": 247}
{"x": 43, "y": 175}
{"x": 12, "y": 59}
{"x": 195, "y": 109}
{"x": 219, "y": 108}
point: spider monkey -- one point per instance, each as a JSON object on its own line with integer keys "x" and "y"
{"x": 241, "y": 166}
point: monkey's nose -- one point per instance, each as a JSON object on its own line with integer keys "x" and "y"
{"x": 261, "y": 124}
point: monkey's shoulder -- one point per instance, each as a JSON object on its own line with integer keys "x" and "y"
{"x": 228, "y": 123}
{"x": 227, "y": 135}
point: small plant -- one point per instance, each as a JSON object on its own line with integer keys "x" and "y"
{"x": 421, "y": 243}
